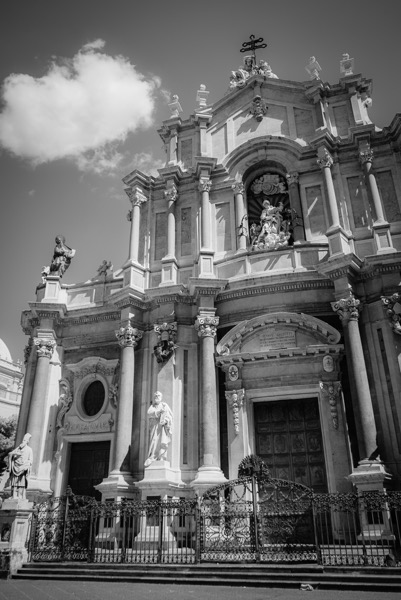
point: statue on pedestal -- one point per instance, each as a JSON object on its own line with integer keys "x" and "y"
{"x": 61, "y": 257}
{"x": 19, "y": 465}
{"x": 161, "y": 425}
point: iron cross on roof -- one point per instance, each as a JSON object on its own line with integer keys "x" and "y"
{"x": 253, "y": 45}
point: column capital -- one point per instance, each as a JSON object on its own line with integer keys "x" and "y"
{"x": 206, "y": 326}
{"x": 44, "y": 347}
{"x": 325, "y": 159}
{"x": 128, "y": 336}
{"x": 347, "y": 309}
{"x": 365, "y": 155}
{"x": 238, "y": 187}
{"x": 292, "y": 178}
{"x": 171, "y": 192}
{"x": 136, "y": 196}
{"x": 235, "y": 399}
{"x": 205, "y": 184}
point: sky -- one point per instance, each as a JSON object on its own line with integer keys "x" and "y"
{"x": 85, "y": 85}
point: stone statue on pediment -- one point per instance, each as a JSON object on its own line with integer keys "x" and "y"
{"x": 62, "y": 256}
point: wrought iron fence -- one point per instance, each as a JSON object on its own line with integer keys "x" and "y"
{"x": 255, "y": 519}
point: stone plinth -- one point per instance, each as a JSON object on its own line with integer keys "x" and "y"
{"x": 206, "y": 478}
{"x": 52, "y": 289}
{"x": 369, "y": 476}
{"x": 15, "y": 516}
{"x": 118, "y": 485}
{"x": 160, "y": 480}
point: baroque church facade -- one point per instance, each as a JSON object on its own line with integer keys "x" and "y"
{"x": 260, "y": 297}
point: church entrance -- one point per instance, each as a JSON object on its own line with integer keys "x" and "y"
{"x": 289, "y": 439}
{"x": 89, "y": 465}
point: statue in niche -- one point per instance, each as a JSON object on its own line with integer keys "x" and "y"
{"x": 64, "y": 402}
{"x": 61, "y": 257}
{"x": 161, "y": 425}
{"x": 273, "y": 232}
{"x": 19, "y": 465}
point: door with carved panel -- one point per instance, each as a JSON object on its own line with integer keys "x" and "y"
{"x": 289, "y": 439}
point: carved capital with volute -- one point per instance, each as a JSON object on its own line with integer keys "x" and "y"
{"x": 171, "y": 193}
{"x": 136, "y": 196}
{"x": 205, "y": 185}
{"x": 44, "y": 347}
{"x": 325, "y": 159}
{"x": 206, "y": 326}
{"x": 292, "y": 178}
{"x": 365, "y": 155}
{"x": 238, "y": 187}
{"x": 128, "y": 336}
{"x": 347, "y": 309}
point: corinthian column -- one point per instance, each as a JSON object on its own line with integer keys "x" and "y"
{"x": 209, "y": 472}
{"x": 137, "y": 198}
{"x": 37, "y": 408}
{"x": 381, "y": 227}
{"x": 348, "y": 310}
{"x": 128, "y": 338}
{"x": 171, "y": 196}
{"x": 325, "y": 162}
{"x": 240, "y": 214}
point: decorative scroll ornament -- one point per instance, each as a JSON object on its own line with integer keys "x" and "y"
{"x": 205, "y": 185}
{"x": 206, "y": 326}
{"x": 238, "y": 187}
{"x": 27, "y": 350}
{"x": 258, "y": 108}
{"x": 128, "y": 336}
{"x": 393, "y": 310}
{"x": 292, "y": 178}
{"x": 347, "y": 309}
{"x": 253, "y": 465}
{"x": 325, "y": 159}
{"x": 233, "y": 372}
{"x": 165, "y": 347}
{"x": 114, "y": 386}
{"x": 268, "y": 185}
{"x": 365, "y": 155}
{"x": 171, "y": 193}
{"x": 331, "y": 391}
{"x": 44, "y": 347}
{"x": 235, "y": 400}
{"x": 64, "y": 402}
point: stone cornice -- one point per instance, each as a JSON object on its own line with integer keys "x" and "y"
{"x": 262, "y": 289}
{"x": 295, "y": 353}
{"x": 47, "y": 310}
{"x": 87, "y": 319}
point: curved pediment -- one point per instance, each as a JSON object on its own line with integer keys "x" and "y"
{"x": 277, "y": 331}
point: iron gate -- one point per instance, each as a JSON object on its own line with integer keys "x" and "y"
{"x": 254, "y": 518}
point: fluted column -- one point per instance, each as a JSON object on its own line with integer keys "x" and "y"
{"x": 240, "y": 214}
{"x": 205, "y": 185}
{"x": 137, "y": 198}
{"x": 128, "y": 338}
{"x": 37, "y": 409}
{"x": 295, "y": 202}
{"x": 348, "y": 310}
{"x": 171, "y": 196}
{"x": 206, "y": 327}
{"x": 325, "y": 162}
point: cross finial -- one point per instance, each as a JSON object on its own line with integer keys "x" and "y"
{"x": 252, "y": 45}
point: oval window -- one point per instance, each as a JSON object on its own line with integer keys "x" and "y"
{"x": 93, "y": 398}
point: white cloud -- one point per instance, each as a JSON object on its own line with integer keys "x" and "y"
{"x": 77, "y": 110}
{"x": 145, "y": 162}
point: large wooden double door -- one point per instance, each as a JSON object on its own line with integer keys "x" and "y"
{"x": 289, "y": 439}
{"x": 89, "y": 465}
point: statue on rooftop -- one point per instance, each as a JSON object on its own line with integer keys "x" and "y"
{"x": 19, "y": 464}
{"x": 61, "y": 257}
{"x": 313, "y": 68}
{"x": 105, "y": 268}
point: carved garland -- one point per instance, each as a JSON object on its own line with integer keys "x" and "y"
{"x": 166, "y": 336}
{"x": 393, "y": 310}
{"x": 235, "y": 400}
{"x": 331, "y": 391}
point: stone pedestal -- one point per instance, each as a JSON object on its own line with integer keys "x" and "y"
{"x": 169, "y": 271}
{"x": 15, "y": 520}
{"x": 52, "y": 289}
{"x": 160, "y": 480}
{"x": 134, "y": 275}
{"x": 382, "y": 236}
{"x": 369, "y": 476}
{"x": 205, "y": 264}
{"x": 118, "y": 485}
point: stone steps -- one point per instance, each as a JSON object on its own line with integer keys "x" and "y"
{"x": 274, "y": 576}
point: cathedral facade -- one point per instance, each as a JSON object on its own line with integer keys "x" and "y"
{"x": 260, "y": 297}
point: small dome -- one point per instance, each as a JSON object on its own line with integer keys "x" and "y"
{"x": 5, "y": 352}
